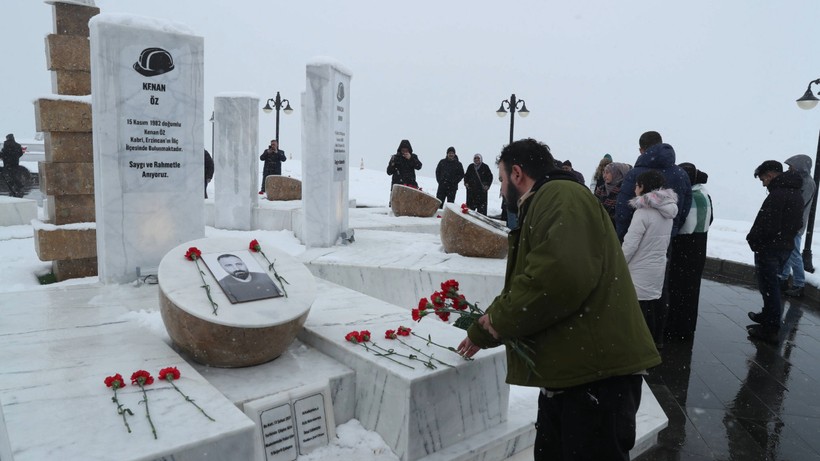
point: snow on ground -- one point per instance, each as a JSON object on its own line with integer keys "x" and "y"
{"x": 20, "y": 268}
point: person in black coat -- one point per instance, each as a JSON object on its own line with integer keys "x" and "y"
{"x": 403, "y": 166}
{"x": 771, "y": 238}
{"x": 273, "y": 158}
{"x": 209, "y": 170}
{"x": 477, "y": 180}
{"x": 13, "y": 174}
{"x": 449, "y": 173}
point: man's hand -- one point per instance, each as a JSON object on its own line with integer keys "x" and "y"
{"x": 467, "y": 348}
{"x": 484, "y": 321}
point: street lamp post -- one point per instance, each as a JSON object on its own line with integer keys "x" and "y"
{"x": 513, "y": 106}
{"x": 212, "y": 134}
{"x": 277, "y": 104}
{"x": 809, "y": 101}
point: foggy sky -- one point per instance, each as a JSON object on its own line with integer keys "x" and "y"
{"x": 717, "y": 79}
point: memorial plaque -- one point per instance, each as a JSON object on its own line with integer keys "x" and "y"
{"x": 292, "y": 423}
{"x": 147, "y": 110}
{"x": 278, "y": 433}
{"x": 311, "y": 423}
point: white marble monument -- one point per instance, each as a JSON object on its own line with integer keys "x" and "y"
{"x": 325, "y": 157}
{"x": 147, "y": 96}
{"x": 236, "y": 151}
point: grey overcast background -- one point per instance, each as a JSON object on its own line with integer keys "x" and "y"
{"x": 718, "y": 79}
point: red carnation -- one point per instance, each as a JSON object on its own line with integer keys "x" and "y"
{"x": 115, "y": 381}
{"x": 418, "y": 314}
{"x": 438, "y": 299}
{"x": 448, "y": 285}
{"x": 353, "y": 337}
{"x": 390, "y": 334}
{"x": 443, "y": 315}
{"x": 142, "y": 378}
{"x": 169, "y": 374}
{"x": 364, "y": 335}
{"x": 403, "y": 331}
{"x": 255, "y": 246}
{"x": 464, "y": 208}
{"x": 423, "y": 304}
{"x": 193, "y": 254}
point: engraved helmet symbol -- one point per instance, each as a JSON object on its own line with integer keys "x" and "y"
{"x": 340, "y": 92}
{"x": 154, "y": 61}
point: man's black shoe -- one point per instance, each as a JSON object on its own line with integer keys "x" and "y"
{"x": 756, "y": 317}
{"x": 794, "y": 292}
{"x": 763, "y": 333}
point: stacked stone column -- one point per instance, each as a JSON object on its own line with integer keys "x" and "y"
{"x": 67, "y": 174}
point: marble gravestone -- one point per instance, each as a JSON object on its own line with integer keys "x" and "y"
{"x": 236, "y": 139}
{"x": 147, "y": 108}
{"x": 325, "y": 159}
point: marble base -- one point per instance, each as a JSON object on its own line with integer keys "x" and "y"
{"x": 379, "y": 258}
{"x": 58, "y": 345}
{"x": 237, "y": 335}
{"x": 17, "y": 211}
{"x": 417, "y": 411}
{"x": 472, "y": 234}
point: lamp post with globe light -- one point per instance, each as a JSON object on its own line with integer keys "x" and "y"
{"x": 809, "y": 101}
{"x": 513, "y": 106}
{"x": 277, "y": 104}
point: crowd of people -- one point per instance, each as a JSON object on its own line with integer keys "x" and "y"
{"x": 599, "y": 277}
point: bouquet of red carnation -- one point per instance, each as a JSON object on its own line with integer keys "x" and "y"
{"x": 450, "y": 301}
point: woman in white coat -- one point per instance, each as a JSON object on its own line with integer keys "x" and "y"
{"x": 646, "y": 243}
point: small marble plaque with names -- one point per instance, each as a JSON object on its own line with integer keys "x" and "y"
{"x": 292, "y": 423}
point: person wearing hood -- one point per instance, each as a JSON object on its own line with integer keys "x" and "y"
{"x": 771, "y": 238}
{"x": 688, "y": 258}
{"x": 449, "y": 173}
{"x": 655, "y": 155}
{"x": 645, "y": 245}
{"x": 403, "y": 165}
{"x": 801, "y": 164}
{"x": 607, "y": 194}
{"x": 477, "y": 180}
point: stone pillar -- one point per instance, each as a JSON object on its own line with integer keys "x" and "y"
{"x": 325, "y": 155}
{"x": 236, "y": 136}
{"x": 66, "y": 176}
{"x": 147, "y": 88}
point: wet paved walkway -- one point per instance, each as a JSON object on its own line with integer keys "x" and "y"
{"x": 729, "y": 398}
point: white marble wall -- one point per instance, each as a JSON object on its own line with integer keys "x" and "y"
{"x": 148, "y": 141}
{"x": 325, "y": 154}
{"x": 236, "y": 160}
{"x": 416, "y": 411}
{"x": 57, "y": 348}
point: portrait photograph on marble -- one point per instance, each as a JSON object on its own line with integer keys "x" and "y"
{"x": 241, "y": 277}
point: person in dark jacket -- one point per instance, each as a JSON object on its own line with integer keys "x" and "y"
{"x": 566, "y": 165}
{"x": 209, "y": 170}
{"x": 449, "y": 173}
{"x": 13, "y": 174}
{"x": 477, "y": 180}
{"x": 11, "y": 152}
{"x": 657, "y": 156}
{"x": 771, "y": 238}
{"x": 273, "y": 158}
{"x": 567, "y": 295}
{"x": 403, "y": 166}
{"x": 687, "y": 253}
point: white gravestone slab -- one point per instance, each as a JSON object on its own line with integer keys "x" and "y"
{"x": 325, "y": 159}
{"x": 147, "y": 92}
{"x": 292, "y": 423}
{"x": 236, "y": 151}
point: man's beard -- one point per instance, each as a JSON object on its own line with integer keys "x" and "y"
{"x": 240, "y": 274}
{"x": 511, "y": 199}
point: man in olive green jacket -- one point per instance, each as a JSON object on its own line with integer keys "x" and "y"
{"x": 569, "y": 297}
